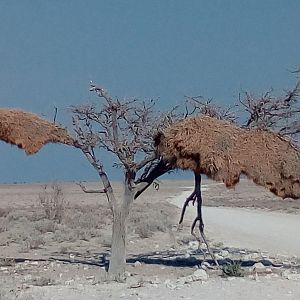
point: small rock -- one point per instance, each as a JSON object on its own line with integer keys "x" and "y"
{"x": 72, "y": 257}
{"x": 193, "y": 244}
{"x": 231, "y": 278}
{"x": 155, "y": 281}
{"x": 291, "y": 276}
{"x": 90, "y": 277}
{"x": 217, "y": 256}
{"x": 205, "y": 265}
{"x": 137, "y": 264}
{"x": 247, "y": 257}
{"x": 187, "y": 255}
{"x": 69, "y": 282}
{"x": 127, "y": 274}
{"x": 200, "y": 274}
{"x": 242, "y": 252}
{"x": 185, "y": 280}
{"x": 224, "y": 253}
{"x": 255, "y": 255}
{"x": 269, "y": 270}
{"x": 259, "y": 267}
{"x": 170, "y": 285}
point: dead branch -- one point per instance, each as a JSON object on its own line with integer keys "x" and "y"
{"x": 277, "y": 113}
{"x": 208, "y": 108}
{"x": 103, "y": 191}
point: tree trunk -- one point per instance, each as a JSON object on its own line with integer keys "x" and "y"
{"x": 117, "y": 262}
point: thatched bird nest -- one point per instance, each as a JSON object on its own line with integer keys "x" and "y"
{"x": 30, "y": 132}
{"x": 224, "y": 151}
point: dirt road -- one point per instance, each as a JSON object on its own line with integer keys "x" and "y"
{"x": 274, "y": 232}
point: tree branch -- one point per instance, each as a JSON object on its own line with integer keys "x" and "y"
{"x": 103, "y": 191}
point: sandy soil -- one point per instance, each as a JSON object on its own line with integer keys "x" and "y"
{"x": 167, "y": 255}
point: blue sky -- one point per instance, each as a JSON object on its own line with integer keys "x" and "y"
{"x": 50, "y": 50}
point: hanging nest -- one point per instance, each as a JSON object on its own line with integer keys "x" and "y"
{"x": 223, "y": 152}
{"x": 30, "y": 132}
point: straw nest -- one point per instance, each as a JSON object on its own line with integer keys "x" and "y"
{"x": 30, "y": 132}
{"x": 224, "y": 151}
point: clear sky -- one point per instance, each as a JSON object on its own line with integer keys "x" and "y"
{"x": 161, "y": 49}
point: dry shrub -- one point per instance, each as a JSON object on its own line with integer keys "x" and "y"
{"x": 53, "y": 202}
{"x": 148, "y": 218}
{"x": 64, "y": 233}
{"x": 3, "y": 225}
{"x": 44, "y": 226}
{"x": 87, "y": 217}
{"x": 104, "y": 239}
{"x": 4, "y": 212}
{"x": 41, "y": 281}
{"x": 20, "y": 230}
{"x": 34, "y": 242}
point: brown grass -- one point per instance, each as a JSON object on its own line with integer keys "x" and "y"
{"x": 224, "y": 151}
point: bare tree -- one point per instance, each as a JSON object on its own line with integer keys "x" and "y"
{"x": 124, "y": 129}
{"x": 277, "y": 113}
{"x": 207, "y": 107}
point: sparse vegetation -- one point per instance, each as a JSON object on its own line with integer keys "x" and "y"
{"x": 53, "y": 202}
{"x": 232, "y": 269}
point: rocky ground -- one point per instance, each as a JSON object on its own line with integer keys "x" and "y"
{"x": 164, "y": 261}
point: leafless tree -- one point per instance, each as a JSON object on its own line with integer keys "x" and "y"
{"x": 277, "y": 113}
{"x": 198, "y": 104}
{"x": 125, "y": 129}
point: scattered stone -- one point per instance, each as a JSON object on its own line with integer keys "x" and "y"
{"x": 287, "y": 274}
{"x": 205, "y": 265}
{"x": 137, "y": 264}
{"x": 224, "y": 253}
{"x": 231, "y": 278}
{"x": 255, "y": 255}
{"x": 200, "y": 274}
{"x": 217, "y": 256}
{"x": 268, "y": 270}
{"x": 193, "y": 244}
{"x": 155, "y": 281}
{"x": 247, "y": 257}
{"x": 127, "y": 274}
{"x": 259, "y": 266}
{"x": 170, "y": 285}
{"x": 137, "y": 284}
{"x": 90, "y": 277}
{"x": 69, "y": 282}
{"x": 72, "y": 257}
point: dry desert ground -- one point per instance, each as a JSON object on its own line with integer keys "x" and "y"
{"x": 57, "y": 246}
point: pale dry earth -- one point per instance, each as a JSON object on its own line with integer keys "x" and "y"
{"x": 244, "y": 226}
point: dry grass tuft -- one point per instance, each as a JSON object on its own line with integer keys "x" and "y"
{"x": 53, "y": 202}
{"x": 147, "y": 218}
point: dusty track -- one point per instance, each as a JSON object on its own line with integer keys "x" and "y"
{"x": 274, "y": 232}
